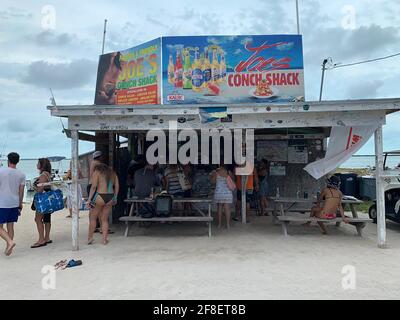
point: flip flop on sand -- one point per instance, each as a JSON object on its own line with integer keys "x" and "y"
{"x": 9, "y": 249}
{"x": 73, "y": 263}
{"x": 60, "y": 264}
{"x": 50, "y": 241}
{"x": 90, "y": 242}
{"x": 38, "y": 245}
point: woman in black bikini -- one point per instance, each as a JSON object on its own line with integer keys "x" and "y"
{"x": 103, "y": 192}
{"x": 43, "y": 221}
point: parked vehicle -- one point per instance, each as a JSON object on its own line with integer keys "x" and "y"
{"x": 391, "y": 183}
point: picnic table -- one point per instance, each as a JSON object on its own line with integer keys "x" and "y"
{"x": 135, "y": 217}
{"x": 284, "y": 205}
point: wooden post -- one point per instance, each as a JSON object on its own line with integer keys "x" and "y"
{"x": 111, "y": 149}
{"x": 74, "y": 186}
{"x": 380, "y": 192}
{"x": 244, "y": 198}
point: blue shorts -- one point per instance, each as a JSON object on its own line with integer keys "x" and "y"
{"x": 9, "y": 215}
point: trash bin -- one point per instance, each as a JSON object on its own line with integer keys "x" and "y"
{"x": 348, "y": 184}
{"x": 368, "y": 187}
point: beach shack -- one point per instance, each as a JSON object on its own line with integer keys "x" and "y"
{"x": 249, "y": 85}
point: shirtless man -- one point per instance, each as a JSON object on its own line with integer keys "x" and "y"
{"x": 332, "y": 202}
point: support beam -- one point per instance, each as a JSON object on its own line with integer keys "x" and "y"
{"x": 74, "y": 186}
{"x": 244, "y": 198}
{"x": 380, "y": 192}
{"x": 111, "y": 153}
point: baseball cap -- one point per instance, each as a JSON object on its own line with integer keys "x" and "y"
{"x": 97, "y": 154}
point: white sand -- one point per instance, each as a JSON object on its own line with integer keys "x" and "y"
{"x": 180, "y": 262}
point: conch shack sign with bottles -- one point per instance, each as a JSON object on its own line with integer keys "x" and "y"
{"x": 204, "y": 69}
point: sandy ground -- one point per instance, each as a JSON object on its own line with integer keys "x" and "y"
{"x": 179, "y": 261}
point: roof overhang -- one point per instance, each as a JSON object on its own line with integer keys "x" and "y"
{"x": 258, "y": 115}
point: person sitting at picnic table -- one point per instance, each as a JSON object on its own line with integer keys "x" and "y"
{"x": 171, "y": 181}
{"x": 145, "y": 179}
{"x": 252, "y": 184}
{"x": 331, "y": 197}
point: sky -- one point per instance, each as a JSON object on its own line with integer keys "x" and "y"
{"x": 57, "y": 43}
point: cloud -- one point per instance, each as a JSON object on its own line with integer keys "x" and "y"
{"x": 18, "y": 125}
{"x": 367, "y": 89}
{"x": 14, "y": 13}
{"x": 60, "y": 75}
{"x": 346, "y": 45}
{"x": 49, "y": 38}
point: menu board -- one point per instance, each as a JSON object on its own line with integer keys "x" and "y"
{"x": 272, "y": 150}
{"x": 298, "y": 154}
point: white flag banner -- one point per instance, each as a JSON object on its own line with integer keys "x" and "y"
{"x": 343, "y": 143}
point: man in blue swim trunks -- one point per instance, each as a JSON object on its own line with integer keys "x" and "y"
{"x": 12, "y": 184}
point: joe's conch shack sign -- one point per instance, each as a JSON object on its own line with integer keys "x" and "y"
{"x": 204, "y": 69}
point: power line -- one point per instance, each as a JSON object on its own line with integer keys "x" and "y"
{"x": 336, "y": 65}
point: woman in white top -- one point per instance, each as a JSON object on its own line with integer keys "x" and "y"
{"x": 223, "y": 196}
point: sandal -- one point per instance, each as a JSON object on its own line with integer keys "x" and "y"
{"x": 50, "y": 241}
{"x": 60, "y": 264}
{"x": 38, "y": 245}
{"x": 9, "y": 249}
{"x": 74, "y": 263}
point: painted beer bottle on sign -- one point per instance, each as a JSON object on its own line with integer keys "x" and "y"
{"x": 197, "y": 73}
{"x": 206, "y": 68}
{"x": 178, "y": 71}
{"x": 171, "y": 70}
{"x": 187, "y": 71}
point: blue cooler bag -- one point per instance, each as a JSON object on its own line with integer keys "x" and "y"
{"x": 49, "y": 202}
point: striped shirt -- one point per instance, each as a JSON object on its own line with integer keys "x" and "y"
{"x": 174, "y": 185}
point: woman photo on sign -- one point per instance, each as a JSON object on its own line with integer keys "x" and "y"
{"x": 110, "y": 67}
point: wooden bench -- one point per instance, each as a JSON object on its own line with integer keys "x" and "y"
{"x": 359, "y": 223}
{"x": 129, "y": 219}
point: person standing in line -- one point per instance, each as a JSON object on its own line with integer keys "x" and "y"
{"x": 43, "y": 221}
{"x": 263, "y": 192}
{"x": 12, "y": 184}
{"x": 103, "y": 195}
{"x": 98, "y": 158}
{"x": 251, "y": 186}
{"x": 223, "y": 196}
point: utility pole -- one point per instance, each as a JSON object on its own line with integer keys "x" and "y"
{"x": 104, "y": 35}
{"x": 297, "y": 17}
{"x": 322, "y": 77}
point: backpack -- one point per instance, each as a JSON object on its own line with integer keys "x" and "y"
{"x": 163, "y": 205}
